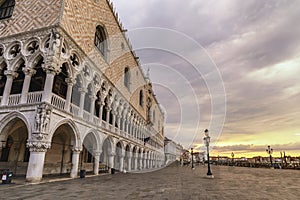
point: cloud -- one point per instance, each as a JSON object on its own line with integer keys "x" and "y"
{"x": 255, "y": 45}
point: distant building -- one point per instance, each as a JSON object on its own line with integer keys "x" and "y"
{"x": 179, "y": 152}
{"x": 172, "y": 149}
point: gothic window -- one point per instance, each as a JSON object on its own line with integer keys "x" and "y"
{"x": 7, "y": 8}
{"x": 100, "y": 40}
{"x": 153, "y": 115}
{"x": 141, "y": 98}
{"x": 60, "y": 86}
{"x": 18, "y": 81}
{"x": 127, "y": 77}
{"x": 2, "y": 79}
{"x": 37, "y": 81}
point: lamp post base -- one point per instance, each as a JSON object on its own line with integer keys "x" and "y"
{"x": 210, "y": 176}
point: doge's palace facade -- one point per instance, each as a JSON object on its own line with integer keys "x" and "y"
{"x": 72, "y": 92}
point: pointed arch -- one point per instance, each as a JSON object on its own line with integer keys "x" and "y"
{"x": 60, "y": 86}
{"x": 38, "y": 79}
{"x": 10, "y": 118}
{"x": 17, "y": 84}
{"x": 95, "y": 139}
{"x": 75, "y": 136}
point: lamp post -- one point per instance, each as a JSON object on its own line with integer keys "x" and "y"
{"x": 270, "y": 151}
{"x": 232, "y": 156}
{"x": 192, "y": 158}
{"x": 207, "y": 141}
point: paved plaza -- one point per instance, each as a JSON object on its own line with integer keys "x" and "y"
{"x": 173, "y": 182}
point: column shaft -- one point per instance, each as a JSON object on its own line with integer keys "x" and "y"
{"x": 35, "y": 166}
{"x": 75, "y": 164}
{"x": 8, "y": 85}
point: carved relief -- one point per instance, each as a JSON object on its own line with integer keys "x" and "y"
{"x": 42, "y": 120}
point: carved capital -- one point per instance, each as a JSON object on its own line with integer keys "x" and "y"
{"x": 11, "y": 73}
{"x": 83, "y": 90}
{"x": 38, "y": 146}
{"x": 76, "y": 149}
{"x": 51, "y": 65}
{"x": 70, "y": 81}
{"x": 97, "y": 153}
{"x": 29, "y": 71}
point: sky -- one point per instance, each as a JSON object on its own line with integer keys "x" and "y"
{"x": 227, "y": 65}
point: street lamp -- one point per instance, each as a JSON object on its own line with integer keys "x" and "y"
{"x": 232, "y": 156}
{"x": 207, "y": 141}
{"x": 270, "y": 151}
{"x": 192, "y": 158}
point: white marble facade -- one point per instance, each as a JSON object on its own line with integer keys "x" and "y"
{"x": 59, "y": 113}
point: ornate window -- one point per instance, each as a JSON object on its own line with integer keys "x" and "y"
{"x": 127, "y": 77}
{"x": 7, "y": 8}
{"x": 100, "y": 40}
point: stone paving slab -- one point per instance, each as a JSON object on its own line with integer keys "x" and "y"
{"x": 173, "y": 182}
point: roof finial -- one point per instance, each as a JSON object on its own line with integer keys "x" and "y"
{"x": 148, "y": 75}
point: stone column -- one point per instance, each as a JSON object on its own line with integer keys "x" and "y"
{"x": 135, "y": 161}
{"x": 145, "y": 161}
{"x": 10, "y": 75}
{"x": 28, "y": 74}
{"x": 92, "y": 108}
{"x": 141, "y": 161}
{"x": 75, "y": 163}
{"x": 47, "y": 93}
{"x": 126, "y": 127}
{"x": 108, "y": 114}
{"x": 70, "y": 83}
{"x": 36, "y": 160}
{"x": 100, "y": 111}
{"x": 96, "y": 162}
{"x": 121, "y": 162}
{"x": 111, "y": 157}
{"x": 113, "y": 118}
{"x": 119, "y": 121}
{"x": 81, "y": 105}
{"x": 123, "y": 124}
{"x": 129, "y": 156}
